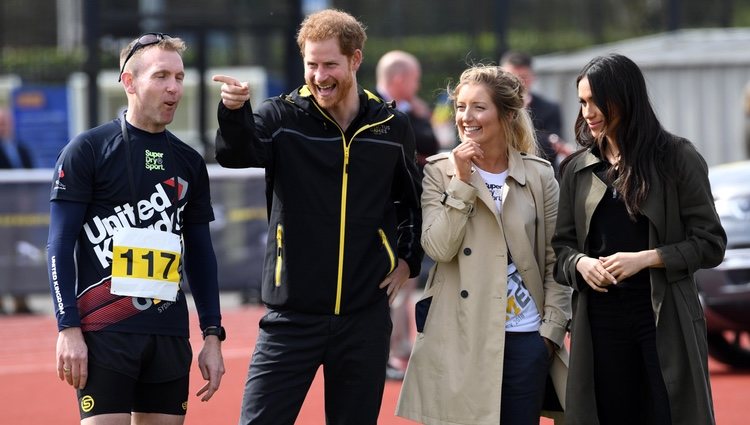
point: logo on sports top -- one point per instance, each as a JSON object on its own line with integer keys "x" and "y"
{"x": 381, "y": 129}
{"x": 155, "y": 209}
{"x": 87, "y": 403}
{"x": 154, "y": 160}
{"x": 58, "y": 181}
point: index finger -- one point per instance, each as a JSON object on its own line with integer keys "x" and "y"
{"x": 226, "y": 79}
{"x": 204, "y": 389}
{"x": 207, "y": 391}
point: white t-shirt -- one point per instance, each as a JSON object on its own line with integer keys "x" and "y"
{"x": 521, "y": 314}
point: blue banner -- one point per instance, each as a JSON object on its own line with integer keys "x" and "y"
{"x": 41, "y": 121}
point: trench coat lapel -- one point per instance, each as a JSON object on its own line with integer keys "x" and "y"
{"x": 517, "y": 179}
{"x": 517, "y": 174}
{"x": 484, "y": 194}
{"x": 515, "y": 235}
{"x": 594, "y": 190}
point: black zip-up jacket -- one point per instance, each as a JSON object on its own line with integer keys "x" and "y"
{"x": 344, "y": 205}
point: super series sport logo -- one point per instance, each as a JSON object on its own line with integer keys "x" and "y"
{"x": 157, "y": 209}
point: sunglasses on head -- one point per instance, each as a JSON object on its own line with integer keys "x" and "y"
{"x": 143, "y": 41}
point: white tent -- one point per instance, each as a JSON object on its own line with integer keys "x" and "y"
{"x": 696, "y": 81}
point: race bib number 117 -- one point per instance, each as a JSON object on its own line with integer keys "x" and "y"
{"x": 145, "y": 263}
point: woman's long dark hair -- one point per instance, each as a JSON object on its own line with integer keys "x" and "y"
{"x": 619, "y": 91}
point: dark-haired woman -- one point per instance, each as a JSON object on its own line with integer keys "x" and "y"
{"x": 636, "y": 219}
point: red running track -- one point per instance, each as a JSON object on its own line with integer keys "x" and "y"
{"x": 31, "y": 394}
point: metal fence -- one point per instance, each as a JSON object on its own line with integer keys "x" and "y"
{"x": 238, "y": 233}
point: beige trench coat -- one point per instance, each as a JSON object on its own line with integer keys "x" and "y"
{"x": 455, "y": 371}
{"x": 685, "y": 230}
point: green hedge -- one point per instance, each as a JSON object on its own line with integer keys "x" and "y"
{"x": 39, "y": 64}
{"x": 443, "y": 57}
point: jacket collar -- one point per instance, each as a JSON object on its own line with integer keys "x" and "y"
{"x": 370, "y": 105}
{"x": 589, "y": 159}
{"x": 516, "y": 167}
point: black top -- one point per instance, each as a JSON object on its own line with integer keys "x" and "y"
{"x": 91, "y": 169}
{"x": 612, "y": 230}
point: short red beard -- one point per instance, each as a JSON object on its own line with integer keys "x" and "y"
{"x": 341, "y": 91}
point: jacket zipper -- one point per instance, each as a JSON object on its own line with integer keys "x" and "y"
{"x": 388, "y": 249}
{"x": 279, "y": 255}
{"x": 344, "y": 185}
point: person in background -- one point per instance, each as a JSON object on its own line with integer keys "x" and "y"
{"x": 398, "y": 75}
{"x": 13, "y": 155}
{"x": 492, "y": 320}
{"x": 129, "y": 214}
{"x": 636, "y": 220}
{"x": 544, "y": 113}
{"x": 345, "y": 223}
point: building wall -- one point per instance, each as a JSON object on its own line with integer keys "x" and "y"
{"x": 696, "y": 90}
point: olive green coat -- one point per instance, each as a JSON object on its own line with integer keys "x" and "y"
{"x": 455, "y": 372}
{"x": 685, "y": 230}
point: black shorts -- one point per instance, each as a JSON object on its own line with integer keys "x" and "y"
{"x": 135, "y": 373}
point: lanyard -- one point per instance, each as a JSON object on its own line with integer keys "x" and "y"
{"x": 131, "y": 179}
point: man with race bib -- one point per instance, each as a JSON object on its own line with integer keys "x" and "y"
{"x": 129, "y": 223}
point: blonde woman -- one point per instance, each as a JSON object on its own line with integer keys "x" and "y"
{"x": 492, "y": 319}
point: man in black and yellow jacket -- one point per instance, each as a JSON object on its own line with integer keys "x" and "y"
{"x": 344, "y": 227}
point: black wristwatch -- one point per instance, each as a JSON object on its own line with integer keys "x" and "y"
{"x": 214, "y": 330}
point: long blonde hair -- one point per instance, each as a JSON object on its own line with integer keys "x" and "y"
{"x": 507, "y": 93}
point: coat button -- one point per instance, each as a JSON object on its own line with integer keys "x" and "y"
{"x": 467, "y": 251}
{"x": 464, "y": 294}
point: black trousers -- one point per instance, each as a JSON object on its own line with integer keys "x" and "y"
{"x": 526, "y": 365}
{"x": 629, "y": 385}
{"x": 291, "y": 346}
